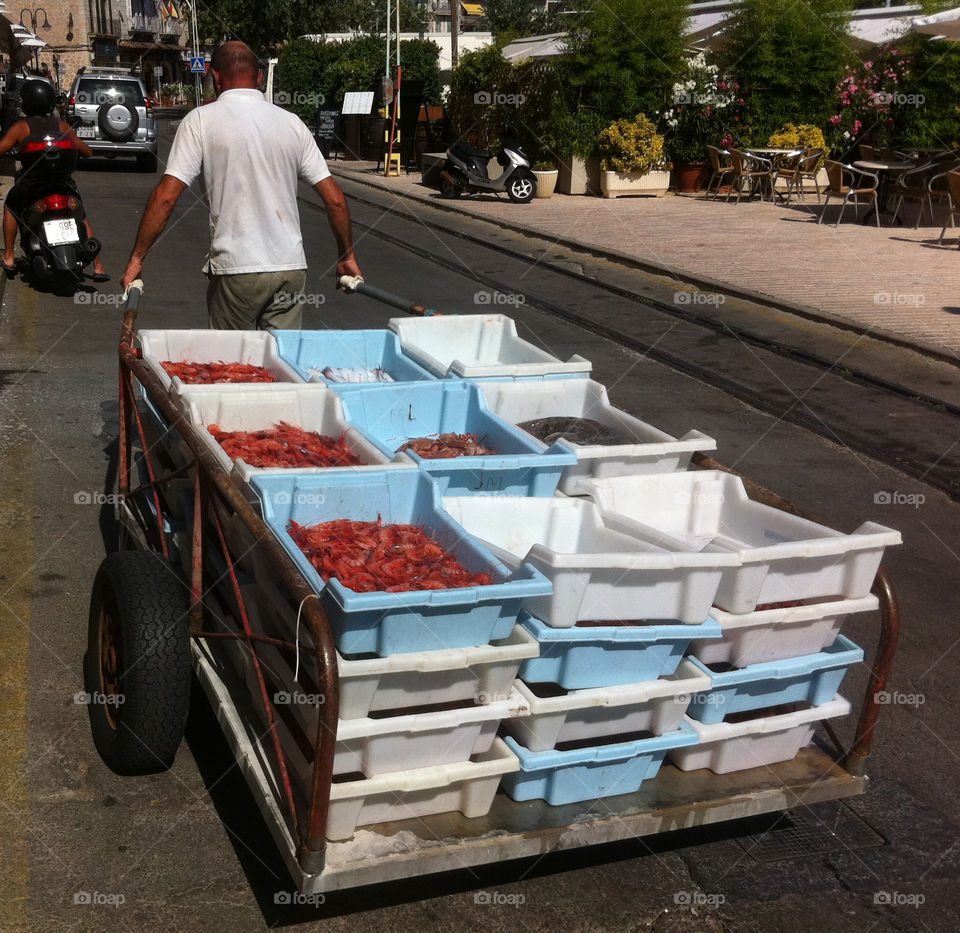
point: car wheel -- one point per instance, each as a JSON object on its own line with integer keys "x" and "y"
{"x": 118, "y": 122}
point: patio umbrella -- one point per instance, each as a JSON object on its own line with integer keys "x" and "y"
{"x": 945, "y": 24}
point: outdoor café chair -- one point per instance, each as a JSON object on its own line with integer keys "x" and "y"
{"x": 838, "y": 175}
{"x": 866, "y": 153}
{"x": 953, "y": 199}
{"x": 913, "y": 185}
{"x": 719, "y": 171}
{"x": 744, "y": 167}
{"x": 802, "y": 167}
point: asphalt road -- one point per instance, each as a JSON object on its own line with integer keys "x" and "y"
{"x": 186, "y": 850}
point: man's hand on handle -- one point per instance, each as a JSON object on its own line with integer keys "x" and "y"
{"x": 132, "y": 272}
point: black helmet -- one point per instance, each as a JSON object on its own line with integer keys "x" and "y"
{"x": 37, "y": 98}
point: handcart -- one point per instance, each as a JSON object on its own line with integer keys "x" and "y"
{"x": 176, "y": 598}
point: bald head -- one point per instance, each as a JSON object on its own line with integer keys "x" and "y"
{"x": 235, "y": 65}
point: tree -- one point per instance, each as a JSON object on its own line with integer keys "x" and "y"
{"x": 515, "y": 18}
{"x": 622, "y": 58}
{"x": 788, "y": 59}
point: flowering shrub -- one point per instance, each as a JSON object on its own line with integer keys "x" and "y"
{"x": 631, "y": 146}
{"x": 797, "y": 137}
{"x": 696, "y": 116}
{"x": 867, "y": 97}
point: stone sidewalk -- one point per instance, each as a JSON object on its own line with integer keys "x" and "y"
{"x": 895, "y": 281}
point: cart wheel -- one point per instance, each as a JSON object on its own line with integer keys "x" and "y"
{"x": 137, "y": 667}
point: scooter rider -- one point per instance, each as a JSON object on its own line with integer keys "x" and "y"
{"x": 37, "y": 100}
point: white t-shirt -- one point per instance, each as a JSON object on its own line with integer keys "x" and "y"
{"x": 250, "y": 154}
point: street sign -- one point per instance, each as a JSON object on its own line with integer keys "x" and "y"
{"x": 158, "y": 71}
{"x": 197, "y": 66}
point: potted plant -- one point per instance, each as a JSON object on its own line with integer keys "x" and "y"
{"x": 695, "y": 121}
{"x": 632, "y": 159}
{"x": 547, "y": 174}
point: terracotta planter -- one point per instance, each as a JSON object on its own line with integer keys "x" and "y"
{"x": 691, "y": 176}
{"x": 614, "y": 184}
{"x": 546, "y": 182}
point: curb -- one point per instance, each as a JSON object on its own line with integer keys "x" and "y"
{"x": 644, "y": 265}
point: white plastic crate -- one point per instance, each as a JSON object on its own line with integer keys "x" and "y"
{"x": 483, "y": 674}
{"x": 782, "y": 557}
{"x": 311, "y": 407}
{"x": 656, "y": 706}
{"x": 646, "y": 449}
{"x": 777, "y": 633}
{"x": 754, "y": 743}
{"x": 599, "y": 571}
{"x": 471, "y": 346}
{"x": 468, "y": 787}
{"x": 254, "y": 347}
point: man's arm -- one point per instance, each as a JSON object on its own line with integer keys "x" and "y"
{"x": 14, "y": 136}
{"x": 338, "y": 216}
{"x": 159, "y": 207}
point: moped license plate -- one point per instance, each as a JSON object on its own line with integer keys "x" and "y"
{"x": 61, "y": 232}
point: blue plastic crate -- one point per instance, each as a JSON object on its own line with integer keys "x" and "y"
{"x": 609, "y": 655}
{"x": 812, "y": 678}
{"x": 590, "y": 773}
{"x": 392, "y": 415}
{"x": 363, "y": 349}
{"x": 397, "y": 623}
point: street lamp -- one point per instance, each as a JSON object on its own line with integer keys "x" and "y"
{"x": 33, "y": 14}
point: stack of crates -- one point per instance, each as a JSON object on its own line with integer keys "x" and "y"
{"x": 629, "y": 620}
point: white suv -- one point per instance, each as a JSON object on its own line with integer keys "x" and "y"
{"x": 113, "y": 115}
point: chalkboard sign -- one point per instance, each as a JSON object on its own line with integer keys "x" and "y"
{"x": 326, "y": 130}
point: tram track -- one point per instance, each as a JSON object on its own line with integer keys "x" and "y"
{"x": 748, "y": 354}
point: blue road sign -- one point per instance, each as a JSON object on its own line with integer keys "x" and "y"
{"x": 197, "y": 66}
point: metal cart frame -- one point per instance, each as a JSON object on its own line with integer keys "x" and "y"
{"x": 673, "y": 800}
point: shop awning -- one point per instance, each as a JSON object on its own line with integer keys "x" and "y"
{"x": 472, "y": 9}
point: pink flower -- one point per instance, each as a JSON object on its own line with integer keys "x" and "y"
{"x": 857, "y": 126}
{"x": 740, "y": 100}
{"x": 736, "y": 87}
{"x": 835, "y": 119}
{"x": 854, "y": 88}
{"x": 868, "y": 65}
{"x": 722, "y": 85}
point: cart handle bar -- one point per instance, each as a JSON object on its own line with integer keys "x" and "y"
{"x": 353, "y": 283}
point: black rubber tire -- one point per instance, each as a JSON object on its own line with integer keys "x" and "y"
{"x": 522, "y": 188}
{"x": 108, "y": 132}
{"x": 148, "y": 604}
{"x": 147, "y": 163}
{"x": 450, "y": 189}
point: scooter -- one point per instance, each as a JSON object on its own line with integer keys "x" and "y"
{"x": 52, "y": 233}
{"x": 465, "y": 172}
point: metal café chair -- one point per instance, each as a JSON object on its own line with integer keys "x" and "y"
{"x": 914, "y": 185}
{"x": 804, "y": 166}
{"x": 742, "y": 164}
{"x": 719, "y": 171}
{"x": 838, "y": 174}
{"x": 952, "y": 180}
